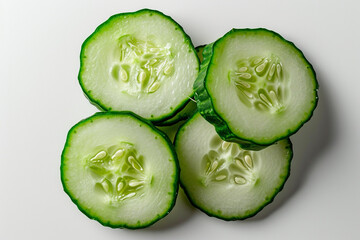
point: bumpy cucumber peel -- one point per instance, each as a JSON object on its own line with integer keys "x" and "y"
{"x": 211, "y": 113}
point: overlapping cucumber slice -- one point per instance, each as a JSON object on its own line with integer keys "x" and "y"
{"x": 224, "y": 180}
{"x": 255, "y": 87}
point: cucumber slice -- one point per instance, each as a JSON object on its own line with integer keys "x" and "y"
{"x": 111, "y": 172}
{"x": 224, "y": 180}
{"x": 255, "y": 87}
{"x": 141, "y": 62}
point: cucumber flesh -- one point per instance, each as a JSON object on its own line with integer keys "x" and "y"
{"x": 141, "y": 62}
{"x": 111, "y": 172}
{"x": 255, "y": 87}
{"x": 190, "y": 107}
{"x": 224, "y": 180}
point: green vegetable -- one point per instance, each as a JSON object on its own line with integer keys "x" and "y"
{"x": 120, "y": 170}
{"x": 255, "y": 87}
{"x": 141, "y": 62}
{"x": 224, "y": 180}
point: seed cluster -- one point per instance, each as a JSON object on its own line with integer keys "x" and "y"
{"x": 227, "y": 162}
{"x": 141, "y": 66}
{"x": 260, "y": 83}
{"x": 119, "y": 173}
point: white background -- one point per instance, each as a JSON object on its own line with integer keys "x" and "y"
{"x": 41, "y": 99}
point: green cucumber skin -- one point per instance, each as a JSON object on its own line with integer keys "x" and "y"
{"x": 168, "y": 121}
{"x": 270, "y": 200}
{"x": 206, "y": 107}
{"x": 177, "y": 117}
{"x": 83, "y": 209}
{"x": 97, "y": 102}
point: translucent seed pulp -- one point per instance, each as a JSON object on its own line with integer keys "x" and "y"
{"x": 248, "y": 161}
{"x": 141, "y": 66}
{"x": 225, "y": 145}
{"x": 262, "y": 66}
{"x": 118, "y": 154}
{"x": 243, "y": 69}
{"x": 225, "y": 161}
{"x": 135, "y": 164}
{"x": 120, "y": 186}
{"x": 154, "y": 87}
{"x": 119, "y": 172}
{"x": 220, "y": 177}
{"x": 239, "y": 180}
{"x": 260, "y": 82}
{"x": 135, "y": 183}
{"x": 213, "y": 167}
{"x": 142, "y": 78}
{"x": 99, "y": 155}
{"x": 123, "y": 75}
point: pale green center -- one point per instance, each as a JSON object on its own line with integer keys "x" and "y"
{"x": 141, "y": 66}
{"x": 228, "y": 163}
{"x": 260, "y": 83}
{"x": 118, "y": 172}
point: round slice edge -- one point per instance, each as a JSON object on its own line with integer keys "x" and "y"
{"x": 255, "y": 87}
{"x": 141, "y": 62}
{"x": 222, "y": 179}
{"x": 111, "y": 172}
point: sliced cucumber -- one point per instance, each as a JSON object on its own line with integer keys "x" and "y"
{"x": 224, "y": 180}
{"x": 255, "y": 87}
{"x": 111, "y": 172}
{"x": 141, "y": 62}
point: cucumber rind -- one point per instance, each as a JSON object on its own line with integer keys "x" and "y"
{"x": 186, "y": 111}
{"x": 269, "y": 200}
{"x": 210, "y": 113}
{"x": 176, "y": 175}
{"x": 183, "y": 114}
{"x": 206, "y": 108}
{"x": 98, "y": 102}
